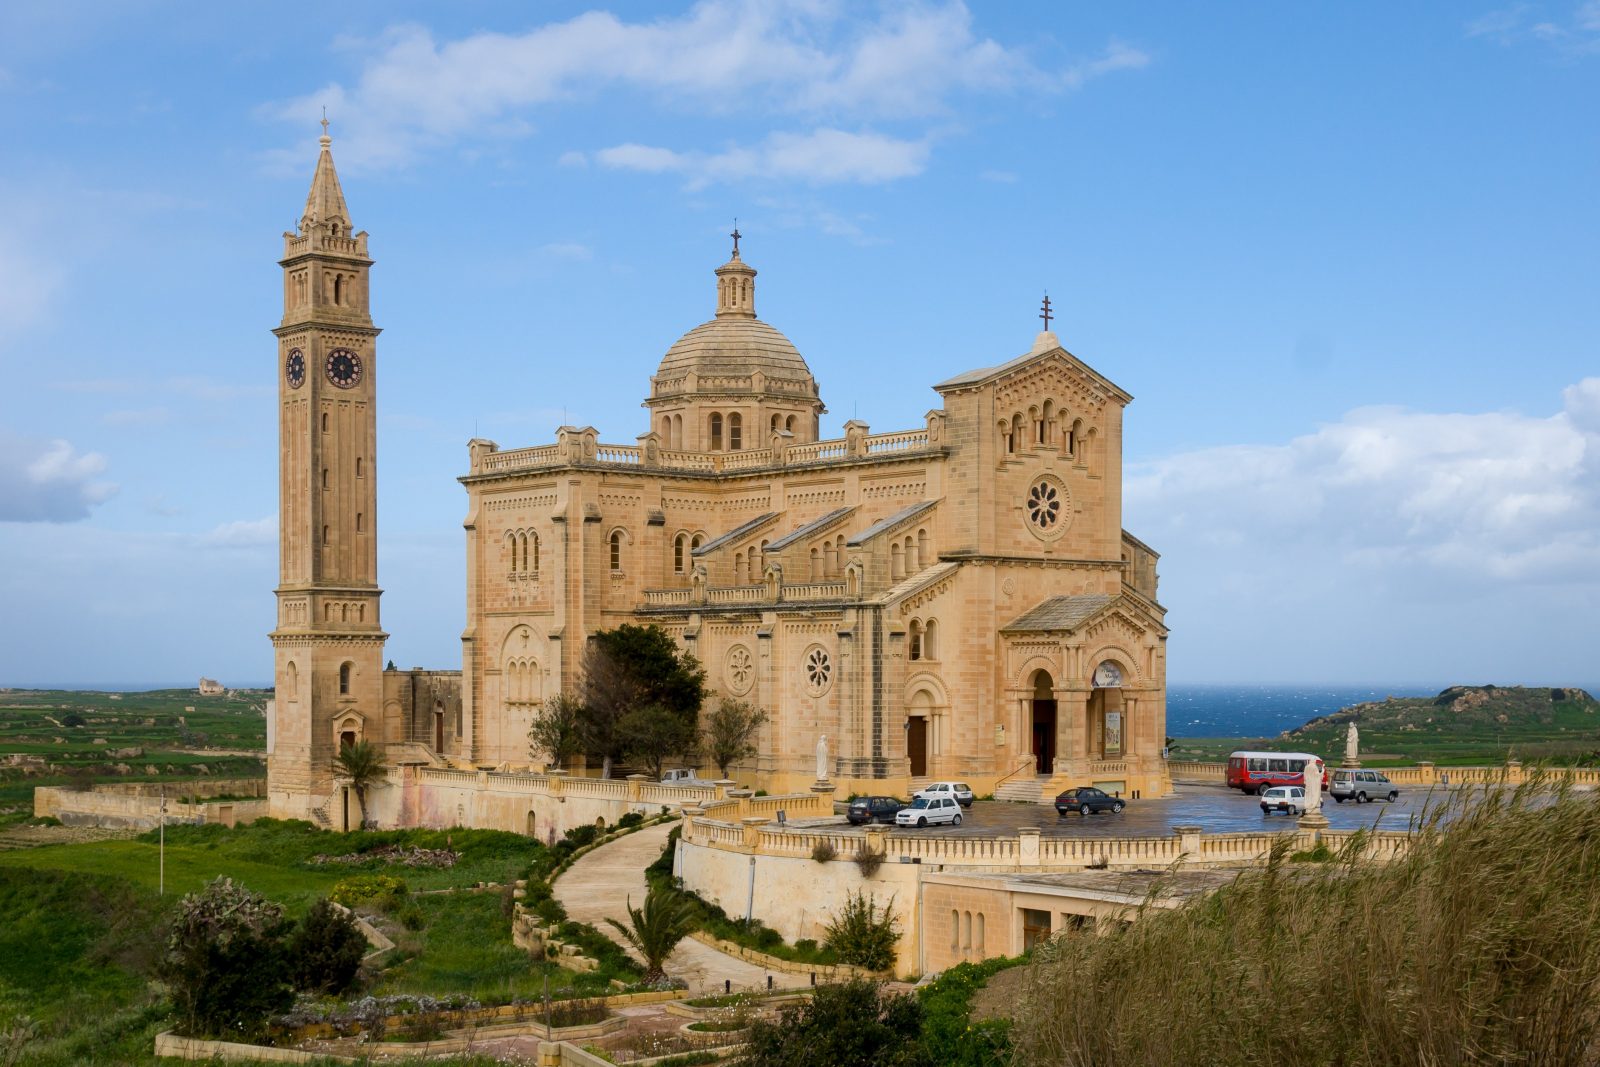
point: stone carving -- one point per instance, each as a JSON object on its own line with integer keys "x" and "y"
{"x": 822, "y": 758}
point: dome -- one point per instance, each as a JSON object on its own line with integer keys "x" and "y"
{"x": 731, "y": 346}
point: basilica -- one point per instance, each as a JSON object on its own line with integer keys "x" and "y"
{"x": 952, "y": 600}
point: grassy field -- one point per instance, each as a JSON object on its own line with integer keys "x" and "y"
{"x": 1460, "y": 727}
{"x": 51, "y": 737}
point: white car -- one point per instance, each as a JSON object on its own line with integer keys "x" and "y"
{"x": 1288, "y": 799}
{"x": 960, "y": 792}
{"x": 925, "y": 810}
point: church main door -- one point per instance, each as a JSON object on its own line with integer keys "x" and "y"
{"x": 917, "y": 745}
{"x": 1044, "y": 722}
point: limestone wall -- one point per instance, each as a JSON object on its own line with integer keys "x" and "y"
{"x": 138, "y": 807}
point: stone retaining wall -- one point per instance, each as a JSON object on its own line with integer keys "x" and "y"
{"x": 138, "y": 806}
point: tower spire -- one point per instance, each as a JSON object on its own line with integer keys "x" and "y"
{"x": 325, "y": 203}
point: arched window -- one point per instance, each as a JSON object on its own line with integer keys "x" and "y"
{"x": 716, "y": 432}
{"x": 930, "y": 639}
{"x": 977, "y": 937}
{"x": 955, "y": 931}
{"x": 923, "y": 559}
{"x": 677, "y": 431}
{"x": 913, "y": 564}
{"x": 914, "y": 640}
{"x": 291, "y": 681}
{"x": 324, "y": 422}
{"x": 325, "y": 540}
{"x": 966, "y": 931}
{"x": 735, "y": 432}
{"x": 530, "y": 558}
{"x": 777, "y": 423}
{"x": 1015, "y": 440}
{"x": 324, "y": 477}
{"x": 344, "y": 679}
{"x": 679, "y": 545}
{"x": 1044, "y": 423}
{"x": 896, "y": 560}
{"x": 788, "y": 424}
{"x": 359, "y": 526}
{"x": 1073, "y": 435}
{"x": 816, "y": 563}
{"x": 338, "y": 280}
{"x": 616, "y": 551}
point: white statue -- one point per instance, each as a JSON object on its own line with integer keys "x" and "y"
{"x": 1313, "y": 777}
{"x": 822, "y": 758}
{"x": 1351, "y": 743}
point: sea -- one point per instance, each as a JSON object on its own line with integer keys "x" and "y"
{"x": 1266, "y": 710}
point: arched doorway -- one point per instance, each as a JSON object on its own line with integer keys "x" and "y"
{"x": 919, "y": 721}
{"x": 1105, "y": 719}
{"x": 438, "y": 731}
{"x": 1044, "y": 722}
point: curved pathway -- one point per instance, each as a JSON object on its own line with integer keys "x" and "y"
{"x": 597, "y": 887}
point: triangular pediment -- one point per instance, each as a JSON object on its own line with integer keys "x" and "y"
{"x": 1084, "y": 613}
{"x": 1035, "y": 363}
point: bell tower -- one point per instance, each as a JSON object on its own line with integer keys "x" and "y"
{"x": 328, "y": 644}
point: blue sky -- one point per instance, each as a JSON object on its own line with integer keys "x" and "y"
{"x": 1343, "y": 256}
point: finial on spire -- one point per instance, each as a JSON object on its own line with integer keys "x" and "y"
{"x": 735, "y": 235}
{"x": 326, "y": 140}
{"x": 1045, "y": 314}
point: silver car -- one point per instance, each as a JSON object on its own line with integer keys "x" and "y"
{"x": 1361, "y": 786}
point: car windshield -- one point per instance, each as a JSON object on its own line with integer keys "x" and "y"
{"x": 921, "y": 802}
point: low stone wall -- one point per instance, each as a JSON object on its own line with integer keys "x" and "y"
{"x": 828, "y": 972}
{"x": 171, "y": 1046}
{"x": 138, "y": 806}
{"x": 1420, "y": 774}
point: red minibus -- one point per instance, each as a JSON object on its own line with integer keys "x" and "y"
{"x": 1255, "y": 772}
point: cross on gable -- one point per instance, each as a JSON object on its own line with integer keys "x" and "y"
{"x": 1045, "y": 314}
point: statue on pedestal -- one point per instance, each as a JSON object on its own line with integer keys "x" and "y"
{"x": 1313, "y": 778}
{"x": 1351, "y": 746}
{"x": 822, "y": 758}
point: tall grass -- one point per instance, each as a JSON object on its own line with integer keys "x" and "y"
{"x": 1481, "y": 946}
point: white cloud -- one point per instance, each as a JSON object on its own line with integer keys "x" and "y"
{"x": 241, "y": 533}
{"x": 49, "y": 481}
{"x": 1518, "y": 23}
{"x": 572, "y": 159}
{"x": 814, "y": 59}
{"x": 822, "y": 157}
{"x": 569, "y": 250}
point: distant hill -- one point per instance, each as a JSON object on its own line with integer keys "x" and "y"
{"x": 1460, "y": 706}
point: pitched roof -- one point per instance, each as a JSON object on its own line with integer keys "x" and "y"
{"x": 738, "y": 532}
{"x": 814, "y": 526}
{"x": 900, "y": 516}
{"x": 982, "y": 374}
{"x": 1060, "y": 613}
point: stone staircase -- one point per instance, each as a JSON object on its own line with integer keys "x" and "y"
{"x": 1024, "y": 789}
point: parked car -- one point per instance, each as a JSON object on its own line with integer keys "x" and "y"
{"x": 1287, "y": 799}
{"x": 873, "y": 809}
{"x": 682, "y": 776}
{"x": 960, "y": 792}
{"x": 1083, "y": 799}
{"x": 925, "y": 810}
{"x": 1361, "y": 786}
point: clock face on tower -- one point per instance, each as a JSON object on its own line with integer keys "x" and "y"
{"x": 294, "y": 368}
{"x": 344, "y": 368}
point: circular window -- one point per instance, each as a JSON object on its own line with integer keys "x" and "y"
{"x": 818, "y": 670}
{"x": 1047, "y": 508}
{"x": 741, "y": 670}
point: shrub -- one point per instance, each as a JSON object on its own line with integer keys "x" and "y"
{"x": 868, "y": 860}
{"x": 326, "y": 950}
{"x": 823, "y": 851}
{"x": 951, "y": 1035}
{"x": 631, "y": 819}
{"x": 579, "y": 836}
{"x": 862, "y": 935}
{"x": 377, "y": 890}
{"x": 857, "y": 1023}
{"x": 225, "y": 961}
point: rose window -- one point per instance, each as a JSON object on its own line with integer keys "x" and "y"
{"x": 741, "y": 670}
{"x": 1044, "y": 506}
{"x": 818, "y": 669}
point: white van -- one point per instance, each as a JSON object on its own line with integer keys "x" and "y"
{"x": 1361, "y": 786}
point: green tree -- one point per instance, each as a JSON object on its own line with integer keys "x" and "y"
{"x": 863, "y": 935}
{"x": 858, "y": 1023}
{"x": 634, "y": 667}
{"x": 326, "y": 949}
{"x": 655, "y": 930}
{"x": 361, "y": 764}
{"x": 730, "y": 732}
{"x": 652, "y": 734}
{"x": 557, "y": 733}
{"x": 225, "y": 961}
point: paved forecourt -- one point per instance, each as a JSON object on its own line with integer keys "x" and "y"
{"x": 598, "y": 887}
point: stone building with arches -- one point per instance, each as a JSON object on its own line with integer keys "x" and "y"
{"x": 953, "y": 600}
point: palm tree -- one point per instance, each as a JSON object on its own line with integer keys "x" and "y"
{"x": 655, "y": 930}
{"x": 362, "y": 764}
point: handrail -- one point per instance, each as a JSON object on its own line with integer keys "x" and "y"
{"x": 1028, "y": 760}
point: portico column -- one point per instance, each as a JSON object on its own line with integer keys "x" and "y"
{"x": 1071, "y": 716}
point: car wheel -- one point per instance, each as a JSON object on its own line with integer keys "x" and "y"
{"x": 1394, "y": 795}
{"x": 957, "y": 820}
{"x": 1083, "y": 810}
{"x": 1261, "y": 790}
{"x": 922, "y": 820}
{"x": 1361, "y": 798}
{"x": 1116, "y": 808}
{"x": 1338, "y": 800}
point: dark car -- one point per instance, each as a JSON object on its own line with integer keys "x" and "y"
{"x": 1085, "y": 799}
{"x": 873, "y": 809}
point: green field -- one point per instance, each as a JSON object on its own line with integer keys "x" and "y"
{"x": 1461, "y": 726}
{"x": 55, "y": 737}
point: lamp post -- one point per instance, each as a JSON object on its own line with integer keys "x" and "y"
{"x": 162, "y": 861}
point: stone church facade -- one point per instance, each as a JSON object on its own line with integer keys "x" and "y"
{"x": 955, "y": 600}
